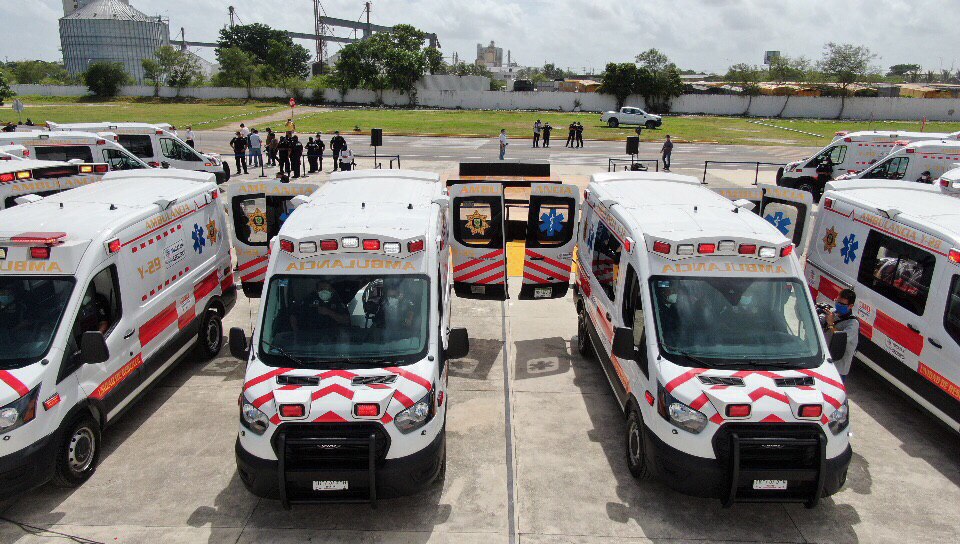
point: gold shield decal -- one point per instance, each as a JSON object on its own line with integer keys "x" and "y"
{"x": 477, "y": 223}
{"x": 257, "y": 221}
{"x": 830, "y": 240}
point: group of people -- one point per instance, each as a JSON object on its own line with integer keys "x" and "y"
{"x": 286, "y": 151}
{"x": 542, "y": 131}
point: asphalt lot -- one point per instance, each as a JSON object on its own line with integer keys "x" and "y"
{"x": 535, "y": 454}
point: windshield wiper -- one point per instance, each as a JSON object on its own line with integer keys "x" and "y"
{"x": 282, "y": 352}
{"x": 693, "y": 359}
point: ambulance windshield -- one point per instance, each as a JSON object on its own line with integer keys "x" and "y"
{"x": 30, "y": 311}
{"x": 735, "y": 321}
{"x": 317, "y": 321}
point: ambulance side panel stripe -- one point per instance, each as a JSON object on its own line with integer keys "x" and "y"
{"x": 898, "y": 332}
{"x": 13, "y": 382}
{"x": 157, "y": 324}
{"x": 206, "y": 286}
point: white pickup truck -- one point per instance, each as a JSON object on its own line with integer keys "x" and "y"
{"x": 631, "y": 116}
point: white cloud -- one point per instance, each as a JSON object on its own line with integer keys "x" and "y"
{"x": 696, "y": 34}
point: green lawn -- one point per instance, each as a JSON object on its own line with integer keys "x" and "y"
{"x": 202, "y": 115}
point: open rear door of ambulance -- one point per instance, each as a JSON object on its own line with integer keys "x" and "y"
{"x": 753, "y": 194}
{"x": 257, "y": 210}
{"x": 551, "y": 237}
{"x": 789, "y": 211}
{"x": 477, "y": 244}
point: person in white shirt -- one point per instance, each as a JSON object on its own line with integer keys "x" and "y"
{"x": 503, "y": 142}
{"x": 346, "y": 159}
{"x": 190, "y": 138}
{"x": 256, "y": 148}
{"x": 244, "y": 131}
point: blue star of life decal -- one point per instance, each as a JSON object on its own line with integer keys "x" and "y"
{"x": 198, "y": 240}
{"x": 551, "y": 223}
{"x": 780, "y": 221}
{"x": 850, "y": 247}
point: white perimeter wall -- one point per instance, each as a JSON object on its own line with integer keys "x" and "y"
{"x": 911, "y": 109}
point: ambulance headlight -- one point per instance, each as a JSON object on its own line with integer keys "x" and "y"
{"x": 415, "y": 416}
{"x": 678, "y": 413}
{"x": 840, "y": 418}
{"x": 252, "y": 418}
{"x": 19, "y": 412}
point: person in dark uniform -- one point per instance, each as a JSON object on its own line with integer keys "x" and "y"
{"x": 94, "y": 313}
{"x": 571, "y": 135}
{"x": 579, "y": 134}
{"x": 296, "y": 156}
{"x": 824, "y": 171}
{"x": 322, "y": 309}
{"x": 271, "y": 144}
{"x": 397, "y": 315}
{"x": 283, "y": 152}
{"x": 546, "y": 134}
{"x": 313, "y": 151}
{"x": 337, "y": 144}
{"x": 669, "y": 316}
{"x": 925, "y": 177}
{"x": 322, "y": 147}
{"x": 239, "y": 146}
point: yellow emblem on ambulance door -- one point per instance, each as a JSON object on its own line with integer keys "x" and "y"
{"x": 257, "y": 221}
{"x": 830, "y": 240}
{"x": 477, "y": 223}
{"x": 212, "y": 232}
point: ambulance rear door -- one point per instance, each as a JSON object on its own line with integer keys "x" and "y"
{"x": 789, "y": 211}
{"x": 478, "y": 241}
{"x": 551, "y": 237}
{"x": 257, "y": 211}
{"x": 753, "y": 194}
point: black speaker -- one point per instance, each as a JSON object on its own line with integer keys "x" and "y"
{"x": 633, "y": 145}
{"x": 376, "y": 137}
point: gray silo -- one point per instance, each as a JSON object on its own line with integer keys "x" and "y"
{"x": 113, "y": 31}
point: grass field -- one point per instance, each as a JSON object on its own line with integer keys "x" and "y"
{"x": 203, "y": 115}
{"x": 211, "y": 114}
{"x": 724, "y": 130}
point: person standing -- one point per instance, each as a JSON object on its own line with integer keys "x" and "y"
{"x": 191, "y": 141}
{"x": 321, "y": 147}
{"x": 313, "y": 151}
{"x": 667, "y": 151}
{"x": 296, "y": 155}
{"x": 271, "y": 147}
{"x": 244, "y": 131}
{"x": 239, "y": 146}
{"x": 256, "y": 148}
{"x": 571, "y": 135}
{"x": 291, "y": 126}
{"x": 283, "y": 152}
{"x": 337, "y": 144}
{"x": 346, "y": 158}
{"x": 537, "y": 127}
{"x": 579, "y": 134}
{"x": 503, "y": 143}
{"x": 842, "y": 319}
{"x": 546, "y": 134}
{"x": 173, "y": 129}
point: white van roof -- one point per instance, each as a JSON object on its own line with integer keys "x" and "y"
{"x": 919, "y": 205}
{"x": 162, "y": 173}
{"x": 395, "y": 203}
{"x": 108, "y": 126}
{"x": 678, "y": 207}
{"x": 34, "y": 136}
{"x": 932, "y": 146}
{"x": 895, "y": 135}
{"x": 28, "y": 164}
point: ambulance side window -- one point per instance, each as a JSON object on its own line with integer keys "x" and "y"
{"x": 138, "y": 144}
{"x": 63, "y": 153}
{"x": 633, "y": 315}
{"x": 119, "y": 160}
{"x": 897, "y": 270}
{"x": 173, "y": 149}
{"x": 951, "y": 319}
{"x": 100, "y": 310}
{"x": 257, "y": 218}
{"x": 605, "y": 263}
{"x": 893, "y": 168}
{"x": 838, "y": 154}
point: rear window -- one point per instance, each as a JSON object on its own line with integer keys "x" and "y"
{"x": 897, "y": 270}
{"x": 63, "y": 153}
{"x": 140, "y": 145}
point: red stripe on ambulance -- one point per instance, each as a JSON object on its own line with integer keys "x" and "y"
{"x": 13, "y": 382}
{"x": 264, "y": 377}
{"x": 206, "y": 285}
{"x": 898, "y": 332}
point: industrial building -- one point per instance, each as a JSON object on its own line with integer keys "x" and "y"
{"x": 111, "y": 31}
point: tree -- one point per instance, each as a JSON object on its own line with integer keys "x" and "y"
{"x": 845, "y": 64}
{"x": 184, "y": 71}
{"x": 172, "y": 67}
{"x": 783, "y": 69}
{"x": 5, "y": 91}
{"x": 270, "y": 47}
{"x": 237, "y": 69}
{"x": 619, "y": 80}
{"x": 658, "y": 79}
{"x": 104, "y": 79}
{"x": 905, "y": 71}
{"x": 552, "y": 72}
{"x": 747, "y": 77}
{"x": 387, "y": 60}
{"x": 38, "y": 71}
{"x": 654, "y": 60}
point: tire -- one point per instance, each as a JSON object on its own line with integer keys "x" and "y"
{"x": 810, "y": 186}
{"x": 584, "y": 343}
{"x": 613, "y": 122}
{"x": 210, "y": 336}
{"x": 779, "y": 175}
{"x": 636, "y": 456}
{"x": 78, "y": 453}
{"x": 226, "y": 170}
{"x": 651, "y": 125}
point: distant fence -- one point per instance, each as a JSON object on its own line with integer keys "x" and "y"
{"x": 880, "y": 108}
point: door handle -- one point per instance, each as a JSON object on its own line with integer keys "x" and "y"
{"x": 912, "y": 328}
{"x": 129, "y": 333}
{"x": 934, "y": 343}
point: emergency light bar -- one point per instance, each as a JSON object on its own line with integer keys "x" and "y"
{"x": 954, "y": 256}
{"x": 723, "y": 247}
{"x": 45, "y": 238}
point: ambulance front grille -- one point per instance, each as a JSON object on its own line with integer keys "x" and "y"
{"x": 770, "y": 456}
{"x": 801, "y": 381}
{"x": 328, "y": 446}
{"x": 721, "y": 380}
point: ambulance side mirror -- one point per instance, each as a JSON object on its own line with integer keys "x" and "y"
{"x": 93, "y": 348}
{"x": 623, "y": 347}
{"x": 838, "y": 345}
{"x": 458, "y": 344}
{"x": 238, "y": 344}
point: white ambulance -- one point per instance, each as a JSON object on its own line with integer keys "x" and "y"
{"x": 102, "y": 289}
{"x": 345, "y": 394}
{"x": 68, "y": 146}
{"x": 700, "y": 316}
{"x": 155, "y": 145}
{"x": 897, "y": 245}
{"x": 43, "y": 178}
{"x": 949, "y": 182}
{"x": 908, "y": 163}
{"x": 849, "y": 153}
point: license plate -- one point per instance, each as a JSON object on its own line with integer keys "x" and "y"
{"x": 330, "y": 485}
{"x": 542, "y": 292}
{"x": 770, "y": 485}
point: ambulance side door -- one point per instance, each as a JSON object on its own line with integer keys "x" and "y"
{"x": 788, "y": 210}
{"x": 257, "y": 211}
{"x": 604, "y": 251}
{"x": 477, "y": 219}
{"x": 551, "y": 237}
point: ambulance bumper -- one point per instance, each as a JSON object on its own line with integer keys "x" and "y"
{"x": 28, "y": 468}
{"x": 398, "y": 477}
{"x": 703, "y": 477}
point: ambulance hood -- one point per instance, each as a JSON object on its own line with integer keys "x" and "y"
{"x": 19, "y": 382}
{"x": 330, "y": 395}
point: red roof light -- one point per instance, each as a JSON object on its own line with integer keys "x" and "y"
{"x": 113, "y": 246}
{"x": 954, "y": 256}
{"x": 707, "y": 248}
{"x": 47, "y": 238}
{"x": 811, "y": 410}
{"x": 42, "y": 252}
{"x": 329, "y": 245}
{"x": 415, "y": 246}
{"x": 286, "y": 245}
{"x": 747, "y": 249}
{"x": 787, "y": 250}
{"x": 371, "y": 245}
{"x": 661, "y": 247}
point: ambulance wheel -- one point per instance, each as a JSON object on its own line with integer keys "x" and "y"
{"x": 651, "y": 125}
{"x": 636, "y": 456}
{"x": 584, "y": 345}
{"x": 211, "y": 336}
{"x": 79, "y": 453}
{"x": 613, "y": 123}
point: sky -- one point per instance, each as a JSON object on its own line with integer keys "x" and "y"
{"x": 703, "y": 35}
